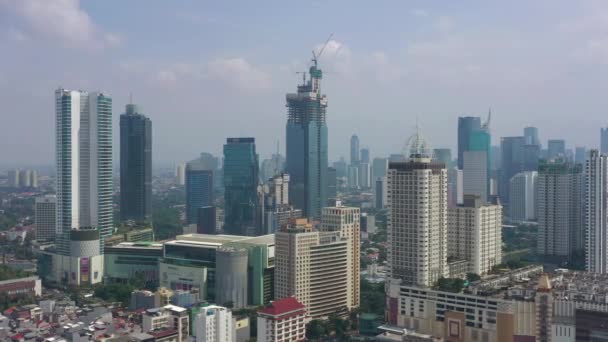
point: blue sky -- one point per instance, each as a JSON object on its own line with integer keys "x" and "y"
{"x": 206, "y": 70}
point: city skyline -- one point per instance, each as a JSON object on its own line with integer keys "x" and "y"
{"x": 405, "y": 55}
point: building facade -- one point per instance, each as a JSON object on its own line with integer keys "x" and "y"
{"x": 214, "y": 324}
{"x": 523, "y": 188}
{"x": 283, "y": 320}
{"x": 596, "y": 211}
{"x": 45, "y": 212}
{"x": 475, "y": 174}
{"x": 466, "y": 125}
{"x": 199, "y": 189}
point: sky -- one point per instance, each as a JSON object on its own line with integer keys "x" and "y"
{"x": 207, "y": 70}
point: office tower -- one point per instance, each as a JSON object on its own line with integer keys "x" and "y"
{"x": 199, "y": 188}
{"x": 207, "y": 220}
{"x": 455, "y": 186}
{"x": 475, "y": 234}
{"x": 282, "y": 320}
{"x": 596, "y": 211}
{"x": 444, "y": 155}
{"x": 13, "y": 178}
{"x": 523, "y": 197}
{"x": 512, "y": 150}
{"x": 379, "y": 167}
{"x": 365, "y": 155}
{"x": 604, "y": 140}
{"x": 84, "y": 165}
{"x": 380, "y": 198}
{"x": 307, "y": 145}
{"x": 417, "y": 219}
{"x": 347, "y": 221}
{"x": 365, "y": 173}
{"x": 277, "y": 209}
{"x": 214, "y": 324}
{"x": 556, "y": 148}
{"x": 34, "y": 179}
{"x": 180, "y": 174}
{"x": 558, "y": 209}
{"x": 241, "y": 187}
{"x": 531, "y": 157}
{"x": 314, "y": 267}
{"x": 25, "y": 178}
{"x": 475, "y": 174}
{"x": 531, "y": 136}
{"x": 466, "y": 125}
{"x": 354, "y": 150}
{"x": 273, "y": 166}
{"x": 480, "y": 141}
{"x": 332, "y": 184}
{"x": 45, "y": 218}
{"x": 341, "y": 168}
{"x": 580, "y": 154}
{"x": 135, "y": 165}
{"x": 353, "y": 176}
{"x": 495, "y": 158}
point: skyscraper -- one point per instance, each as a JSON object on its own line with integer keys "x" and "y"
{"x": 354, "y": 150}
{"x": 559, "y": 209}
{"x": 241, "y": 181}
{"x": 466, "y": 125}
{"x": 580, "y": 154}
{"x": 523, "y": 196}
{"x": 45, "y": 212}
{"x": 512, "y": 161}
{"x": 307, "y": 145}
{"x": 379, "y": 167}
{"x": 604, "y": 140}
{"x": 531, "y": 136}
{"x": 135, "y": 165}
{"x": 481, "y": 141}
{"x": 365, "y": 155}
{"x": 475, "y": 174}
{"x": 417, "y": 219}
{"x": 199, "y": 188}
{"x": 556, "y": 148}
{"x": 84, "y": 165}
{"x": 365, "y": 173}
{"x": 444, "y": 155}
{"x": 596, "y": 211}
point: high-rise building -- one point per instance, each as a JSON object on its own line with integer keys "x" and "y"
{"x": 341, "y": 168}
{"x": 273, "y": 166}
{"x": 379, "y": 167}
{"x": 531, "y": 136}
{"x": 241, "y": 181}
{"x": 365, "y": 155}
{"x": 277, "y": 209}
{"x": 531, "y": 157}
{"x": 13, "y": 178}
{"x": 135, "y": 165}
{"x": 495, "y": 158}
{"x": 307, "y": 145}
{"x": 556, "y": 148}
{"x": 283, "y": 320}
{"x": 523, "y": 196}
{"x": 354, "y": 150}
{"x": 558, "y": 209}
{"x": 25, "y": 178}
{"x": 475, "y": 174}
{"x": 346, "y": 220}
{"x": 332, "y": 184}
{"x": 417, "y": 219}
{"x": 580, "y": 154}
{"x": 475, "y": 234}
{"x": 380, "y": 198}
{"x": 313, "y": 267}
{"x": 84, "y": 165}
{"x": 444, "y": 155}
{"x": 207, "y": 220}
{"x": 596, "y": 211}
{"x": 604, "y": 140}
{"x": 199, "y": 188}
{"x": 353, "y": 176}
{"x": 455, "y": 186}
{"x": 466, "y": 125}
{"x": 512, "y": 162}
{"x": 180, "y": 174}
{"x": 45, "y": 218}
{"x": 481, "y": 141}
{"x": 365, "y": 175}
{"x": 214, "y": 324}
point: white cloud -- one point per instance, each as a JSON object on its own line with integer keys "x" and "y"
{"x": 239, "y": 73}
{"x": 61, "y": 20}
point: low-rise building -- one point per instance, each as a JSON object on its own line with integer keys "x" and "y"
{"x": 169, "y": 318}
{"x": 29, "y": 286}
{"x": 283, "y": 320}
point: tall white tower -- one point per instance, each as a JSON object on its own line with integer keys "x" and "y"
{"x": 596, "y": 205}
{"x": 417, "y": 220}
{"x": 84, "y": 164}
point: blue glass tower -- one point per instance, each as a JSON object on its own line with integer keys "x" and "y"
{"x": 466, "y": 125}
{"x": 199, "y": 188}
{"x": 307, "y": 145}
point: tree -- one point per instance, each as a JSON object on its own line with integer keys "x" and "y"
{"x": 450, "y": 284}
{"x": 471, "y": 277}
{"x": 315, "y": 329}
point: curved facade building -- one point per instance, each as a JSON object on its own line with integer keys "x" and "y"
{"x": 231, "y": 276}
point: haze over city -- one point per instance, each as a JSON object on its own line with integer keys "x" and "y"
{"x": 205, "y": 71}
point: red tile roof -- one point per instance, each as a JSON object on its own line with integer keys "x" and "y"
{"x": 282, "y": 306}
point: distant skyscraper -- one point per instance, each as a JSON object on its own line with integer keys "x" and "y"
{"x": 522, "y": 192}
{"x": 558, "y": 209}
{"x": 241, "y": 181}
{"x": 417, "y": 225}
{"x": 199, "y": 189}
{"x": 604, "y": 140}
{"x": 206, "y": 220}
{"x": 531, "y": 157}
{"x": 13, "y": 178}
{"x": 475, "y": 174}
{"x": 354, "y": 150}
{"x": 365, "y": 173}
{"x": 455, "y": 186}
{"x": 180, "y": 174}
{"x": 135, "y": 165}
{"x": 332, "y": 184}
{"x": 495, "y": 158}
{"x": 444, "y": 155}
{"x": 580, "y": 154}
{"x": 353, "y": 176}
{"x": 84, "y": 165}
{"x": 273, "y": 166}
{"x": 341, "y": 168}
{"x": 596, "y": 212}
{"x": 512, "y": 149}
{"x": 466, "y": 125}
{"x": 45, "y": 212}
{"x": 380, "y": 193}
{"x": 481, "y": 141}
{"x": 531, "y": 136}
{"x": 277, "y": 208}
{"x": 307, "y": 145}
{"x": 365, "y": 155}
{"x": 379, "y": 167}
{"x": 556, "y": 148}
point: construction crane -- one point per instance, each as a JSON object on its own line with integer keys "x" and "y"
{"x": 315, "y": 56}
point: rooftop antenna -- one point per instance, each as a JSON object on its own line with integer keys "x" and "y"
{"x": 315, "y": 56}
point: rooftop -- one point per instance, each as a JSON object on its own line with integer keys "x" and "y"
{"x": 282, "y": 306}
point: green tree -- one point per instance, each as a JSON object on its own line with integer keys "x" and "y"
{"x": 471, "y": 277}
{"x": 315, "y": 329}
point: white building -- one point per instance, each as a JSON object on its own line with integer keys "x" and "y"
{"x": 475, "y": 174}
{"x": 347, "y": 221}
{"x": 596, "y": 211}
{"x": 455, "y": 186}
{"x": 283, "y": 320}
{"x": 180, "y": 174}
{"x": 475, "y": 234}
{"x": 214, "y": 324}
{"x": 167, "y": 317}
{"x": 45, "y": 218}
{"x": 353, "y": 176}
{"x": 84, "y": 264}
{"x": 365, "y": 174}
{"x": 417, "y": 219}
{"x": 522, "y": 196}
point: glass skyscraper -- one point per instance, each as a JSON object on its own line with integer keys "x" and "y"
{"x": 199, "y": 188}
{"x": 481, "y": 141}
{"x": 306, "y": 137}
{"x": 512, "y": 162}
{"x": 466, "y": 125}
{"x": 84, "y": 165}
{"x": 135, "y": 165}
{"x": 241, "y": 181}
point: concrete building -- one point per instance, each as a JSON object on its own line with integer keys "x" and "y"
{"x": 354, "y": 150}
{"x": 28, "y": 286}
{"x": 214, "y": 324}
{"x": 417, "y": 220}
{"x": 596, "y": 212}
{"x": 556, "y": 148}
{"x": 129, "y": 260}
{"x": 365, "y": 174}
{"x": 199, "y": 188}
{"x": 84, "y": 264}
{"x": 380, "y": 193}
{"x": 283, "y": 320}
{"x": 277, "y": 208}
{"x": 466, "y": 125}
{"x": 45, "y": 210}
{"x": 143, "y": 299}
{"x": 475, "y": 234}
{"x": 523, "y": 190}
{"x": 180, "y": 174}
{"x": 455, "y": 186}
{"x": 475, "y": 174}
{"x": 531, "y": 136}
{"x": 347, "y": 221}
{"x": 379, "y": 168}
{"x": 168, "y": 316}
{"x": 604, "y": 140}
{"x": 314, "y": 267}
{"x": 353, "y": 176}
{"x": 365, "y": 155}
{"x": 558, "y": 210}
{"x": 231, "y": 277}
